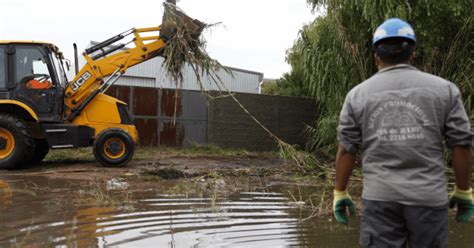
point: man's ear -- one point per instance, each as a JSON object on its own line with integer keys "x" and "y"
{"x": 377, "y": 60}
{"x": 412, "y": 58}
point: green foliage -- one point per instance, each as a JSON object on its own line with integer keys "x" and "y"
{"x": 323, "y": 135}
{"x": 291, "y": 84}
{"x": 270, "y": 88}
{"x": 334, "y": 53}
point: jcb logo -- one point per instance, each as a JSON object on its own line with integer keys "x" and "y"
{"x": 81, "y": 81}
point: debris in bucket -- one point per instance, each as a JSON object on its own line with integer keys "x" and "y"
{"x": 186, "y": 46}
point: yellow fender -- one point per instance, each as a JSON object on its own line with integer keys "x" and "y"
{"x": 21, "y": 105}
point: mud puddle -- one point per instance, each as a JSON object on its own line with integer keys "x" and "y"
{"x": 40, "y": 211}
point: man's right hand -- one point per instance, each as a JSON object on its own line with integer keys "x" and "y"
{"x": 465, "y": 205}
{"x": 341, "y": 202}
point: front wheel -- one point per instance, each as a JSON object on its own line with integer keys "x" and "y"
{"x": 114, "y": 148}
{"x": 16, "y": 142}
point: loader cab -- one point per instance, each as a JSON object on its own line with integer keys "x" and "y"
{"x": 36, "y": 77}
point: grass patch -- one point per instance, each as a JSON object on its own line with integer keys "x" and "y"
{"x": 72, "y": 155}
{"x": 148, "y": 153}
{"x": 195, "y": 150}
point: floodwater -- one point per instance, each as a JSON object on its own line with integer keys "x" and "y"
{"x": 37, "y": 212}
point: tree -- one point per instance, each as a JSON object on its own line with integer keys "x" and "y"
{"x": 290, "y": 84}
{"x": 270, "y": 88}
{"x": 334, "y": 53}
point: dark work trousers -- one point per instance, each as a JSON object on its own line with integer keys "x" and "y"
{"x": 390, "y": 224}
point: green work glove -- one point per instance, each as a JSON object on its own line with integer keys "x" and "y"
{"x": 463, "y": 200}
{"x": 342, "y": 200}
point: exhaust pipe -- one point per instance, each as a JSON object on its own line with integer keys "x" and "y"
{"x": 76, "y": 59}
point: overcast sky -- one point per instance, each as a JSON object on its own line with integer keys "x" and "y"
{"x": 255, "y": 33}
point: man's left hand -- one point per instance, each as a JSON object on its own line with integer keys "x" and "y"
{"x": 465, "y": 206}
{"x": 342, "y": 202}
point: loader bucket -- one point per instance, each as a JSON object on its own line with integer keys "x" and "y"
{"x": 173, "y": 17}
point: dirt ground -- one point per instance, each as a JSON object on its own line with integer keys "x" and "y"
{"x": 164, "y": 167}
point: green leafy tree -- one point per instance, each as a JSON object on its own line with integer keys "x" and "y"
{"x": 334, "y": 53}
{"x": 290, "y": 84}
{"x": 270, "y": 88}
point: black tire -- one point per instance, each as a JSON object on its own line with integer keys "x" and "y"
{"x": 23, "y": 144}
{"x": 41, "y": 150}
{"x": 114, "y": 148}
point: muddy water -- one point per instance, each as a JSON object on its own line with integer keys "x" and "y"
{"x": 37, "y": 212}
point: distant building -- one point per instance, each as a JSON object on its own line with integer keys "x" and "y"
{"x": 152, "y": 74}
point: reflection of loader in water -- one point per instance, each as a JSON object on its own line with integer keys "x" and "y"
{"x": 85, "y": 229}
{"x": 5, "y": 193}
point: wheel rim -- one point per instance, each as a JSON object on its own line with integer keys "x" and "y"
{"x": 114, "y": 148}
{"x": 9, "y": 145}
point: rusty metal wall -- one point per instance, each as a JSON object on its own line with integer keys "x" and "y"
{"x": 157, "y": 119}
{"x": 182, "y": 118}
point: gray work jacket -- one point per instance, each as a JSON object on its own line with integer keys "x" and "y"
{"x": 399, "y": 119}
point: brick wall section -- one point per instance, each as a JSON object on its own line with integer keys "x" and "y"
{"x": 229, "y": 126}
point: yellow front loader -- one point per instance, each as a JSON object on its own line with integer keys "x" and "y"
{"x": 41, "y": 110}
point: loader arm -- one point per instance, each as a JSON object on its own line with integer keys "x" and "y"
{"x": 106, "y": 61}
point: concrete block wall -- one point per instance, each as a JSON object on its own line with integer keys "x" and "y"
{"x": 286, "y": 117}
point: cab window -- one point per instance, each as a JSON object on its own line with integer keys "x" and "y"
{"x": 31, "y": 63}
{"x": 3, "y": 67}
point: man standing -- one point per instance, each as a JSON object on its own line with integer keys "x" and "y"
{"x": 400, "y": 119}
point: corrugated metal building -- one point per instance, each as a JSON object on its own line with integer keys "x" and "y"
{"x": 152, "y": 74}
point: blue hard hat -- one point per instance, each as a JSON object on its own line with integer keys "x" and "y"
{"x": 394, "y": 28}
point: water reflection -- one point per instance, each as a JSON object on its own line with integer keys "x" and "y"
{"x": 205, "y": 222}
{"x": 5, "y": 193}
{"x": 58, "y": 213}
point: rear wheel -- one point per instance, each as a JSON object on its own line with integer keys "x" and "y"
{"x": 41, "y": 150}
{"x": 16, "y": 142}
{"x": 114, "y": 148}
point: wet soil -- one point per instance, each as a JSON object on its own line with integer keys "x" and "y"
{"x": 185, "y": 168}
